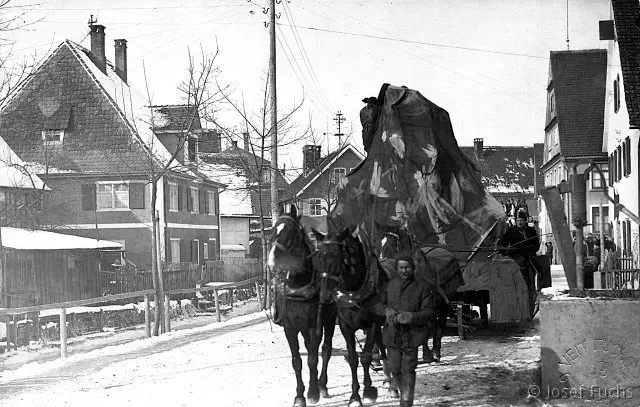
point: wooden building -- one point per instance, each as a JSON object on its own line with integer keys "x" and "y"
{"x": 46, "y": 267}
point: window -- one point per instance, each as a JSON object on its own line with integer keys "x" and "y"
{"x": 112, "y": 195}
{"x": 595, "y": 219}
{"x": 175, "y": 250}
{"x": 53, "y": 136}
{"x": 173, "y": 197}
{"x": 339, "y": 173}
{"x": 616, "y": 94}
{"x": 266, "y": 175}
{"x": 193, "y": 193}
{"x": 192, "y": 148}
{"x": 315, "y": 207}
{"x": 211, "y": 202}
{"x": 551, "y": 101}
{"x": 626, "y": 148}
{"x": 596, "y": 181}
{"x": 205, "y": 251}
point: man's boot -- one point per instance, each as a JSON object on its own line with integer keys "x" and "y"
{"x": 408, "y": 388}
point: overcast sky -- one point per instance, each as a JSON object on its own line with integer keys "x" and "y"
{"x": 485, "y": 61}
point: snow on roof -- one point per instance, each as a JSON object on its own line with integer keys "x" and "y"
{"x": 23, "y": 239}
{"x": 130, "y": 102}
{"x": 14, "y": 173}
{"x": 236, "y": 199}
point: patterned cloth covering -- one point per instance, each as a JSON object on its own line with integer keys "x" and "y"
{"x": 415, "y": 178}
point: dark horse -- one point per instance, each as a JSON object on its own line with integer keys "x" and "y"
{"x": 354, "y": 277}
{"x": 300, "y": 308}
{"x": 442, "y": 272}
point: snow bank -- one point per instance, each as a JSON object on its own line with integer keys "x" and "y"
{"x": 30, "y": 369}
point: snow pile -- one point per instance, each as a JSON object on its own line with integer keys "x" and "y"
{"x": 554, "y": 293}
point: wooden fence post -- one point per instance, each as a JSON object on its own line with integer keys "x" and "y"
{"x": 14, "y": 333}
{"x": 231, "y": 297}
{"x": 259, "y": 296}
{"x": 147, "y": 317}
{"x": 167, "y": 313}
{"x": 215, "y": 296}
{"x": 63, "y": 332}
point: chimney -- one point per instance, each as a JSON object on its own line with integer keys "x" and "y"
{"x": 121, "y": 59}
{"x": 478, "y": 148}
{"x": 97, "y": 46}
{"x": 310, "y": 157}
{"x": 234, "y": 143}
{"x": 245, "y": 136}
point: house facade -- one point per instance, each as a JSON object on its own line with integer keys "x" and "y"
{"x": 314, "y": 191}
{"x": 622, "y": 121}
{"x": 87, "y": 133}
{"x": 574, "y": 127}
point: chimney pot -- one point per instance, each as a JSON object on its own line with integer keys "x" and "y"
{"x": 478, "y": 148}
{"x": 234, "y": 143}
{"x": 121, "y": 58}
{"x": 245, "y": 137}
{"x": 97, "y": 46}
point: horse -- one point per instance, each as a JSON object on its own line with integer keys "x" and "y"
{"x": 354, "y": 277}
{"x": 442, "y": 272}
{"x": 300, "y": 307}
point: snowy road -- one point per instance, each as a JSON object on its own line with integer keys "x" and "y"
{"x": 246, "y": 362}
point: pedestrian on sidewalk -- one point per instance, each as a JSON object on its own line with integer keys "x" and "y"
{"x": 408, "y": 306}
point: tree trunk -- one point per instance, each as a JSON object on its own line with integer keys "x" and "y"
{"x": 156, "y": 269}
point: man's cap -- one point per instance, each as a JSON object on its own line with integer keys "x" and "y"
{"x": 404, "y": 255}
{"x": 522, "y": 215}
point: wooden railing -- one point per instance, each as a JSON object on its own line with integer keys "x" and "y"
{"x": 215, "y": 288}
{"x": 622, "y": 279}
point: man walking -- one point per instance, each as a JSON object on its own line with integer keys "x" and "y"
{"x": 407, "y": 305}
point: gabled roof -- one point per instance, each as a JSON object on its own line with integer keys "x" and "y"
{"x": 625, "y": 14}
{"x": 176, "y": 118}
{"x": 14, "y": 173}
{"x": 235, "y": 200}
{"x": 579, "y": 83}
{"x": 116, "y": 123}
{"x": 505, "y": 169}
{"x": 300, "y": 184}
{"x": 242, "y": 159}
{"x": 23, "y": 239}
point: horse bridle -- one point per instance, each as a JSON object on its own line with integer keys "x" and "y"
{"x": 286, "y": 249}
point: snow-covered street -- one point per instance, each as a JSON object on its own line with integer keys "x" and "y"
{"x": 246, "y": 362}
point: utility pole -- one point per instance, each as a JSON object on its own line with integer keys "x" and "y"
{"x": 274, "y": 133}
{"x": 274, "y": 111}
{"x": 339, "y": 119}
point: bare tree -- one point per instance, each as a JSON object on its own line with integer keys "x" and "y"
{"x": 196, "y": 95}
{"x": 257, "y": 127}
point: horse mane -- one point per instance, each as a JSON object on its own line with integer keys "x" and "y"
{"x": 374, "y": 275}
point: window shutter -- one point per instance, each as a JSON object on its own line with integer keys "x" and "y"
{"x": 212, "y": 250}
{"x": 201, "y": 198}
{"x": 206, "y": 201}
{"x": 189, "y": 203}
{"x": 184, "y": 251}
{"x": 180, "y": 197}
{"x": 194, "y": 251}
{"x": 88, "y": 197}
{"x": 136, "y": 195}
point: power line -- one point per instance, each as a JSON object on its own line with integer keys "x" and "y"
{"x": 433, "y": 44}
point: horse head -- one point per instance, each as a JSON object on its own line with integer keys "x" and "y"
{"x": 331, "y": 261}
{"x": 290, "y": 253}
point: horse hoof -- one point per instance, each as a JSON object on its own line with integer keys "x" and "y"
{"x": 370, "y": 394}
{"x": 313, "y": 398}
{"x": 393, "y": 394}
{"x": 299, "y": 402}
{"x": 437, "y": 356}
{"x": 428, "y": 359}
{"x": 324, "y": 393}
{"x": 355, "y": 403}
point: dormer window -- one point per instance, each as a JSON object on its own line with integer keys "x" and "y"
{"x": 551, "y": 102}
{"x": 53, "y": 136}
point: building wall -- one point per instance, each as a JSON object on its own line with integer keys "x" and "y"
{"x": 234, "y": 230}
{"x": 616, "y": 132}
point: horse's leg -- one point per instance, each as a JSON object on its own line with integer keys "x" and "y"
{"x": 327, "y": 347}
{"x": 311, "y": 342}
{"x": 370, "y": 393}
{"x": 352, "y": 357}
{"x": 388, "y": 381}
{"x": 296, "y": 362}
{"x": 427, "y": 355}
{"x": 441, "y": 324}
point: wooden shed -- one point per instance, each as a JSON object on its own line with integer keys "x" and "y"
{"x": 46, "y": 267}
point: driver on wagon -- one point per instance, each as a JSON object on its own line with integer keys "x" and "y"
{"x": 407, "y": 305}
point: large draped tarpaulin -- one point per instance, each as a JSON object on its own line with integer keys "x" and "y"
{"x": 415, "y": 180}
